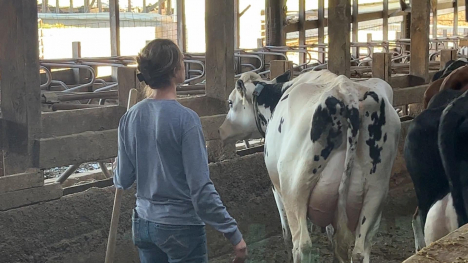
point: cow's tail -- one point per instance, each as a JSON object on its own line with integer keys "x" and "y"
{"x": 351, "y": 115}
{"x": 453, "y": 125}
{"x": 338, "y": 114}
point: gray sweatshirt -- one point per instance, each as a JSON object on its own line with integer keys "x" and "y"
{"x": 162, "y": 147}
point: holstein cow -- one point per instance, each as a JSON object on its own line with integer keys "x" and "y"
{"x": 434, "y": 163}
{"x": 330, "y": 144}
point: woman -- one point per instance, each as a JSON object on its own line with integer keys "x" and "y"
{"x": 162, "y": 148}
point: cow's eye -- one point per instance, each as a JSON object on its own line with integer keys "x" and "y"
{"x": 230, "y": 103}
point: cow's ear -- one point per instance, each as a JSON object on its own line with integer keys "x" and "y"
{"x": 241, "y": 87}
{"x": 285, "y": 77}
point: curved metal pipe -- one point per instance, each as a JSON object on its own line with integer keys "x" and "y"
{"x": 90, "y": 69}
{"x": 49, "y": 77}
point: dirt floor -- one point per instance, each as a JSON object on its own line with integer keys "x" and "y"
{"x": 394, "y": 241}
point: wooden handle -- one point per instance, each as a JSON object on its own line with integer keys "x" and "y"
{"x": 110, "y": 252}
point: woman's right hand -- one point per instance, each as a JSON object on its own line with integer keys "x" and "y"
{"x": 241, "y": 252}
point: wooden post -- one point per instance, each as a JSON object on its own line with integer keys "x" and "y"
{"x": 339, "y": 56}
{"x": 274, "y": 17}
{"x": 181, "y": 25}
{"x": 126, "y": 79}
{"x": 455, "y": 18}
{"x": 114, "y": 27}
{"x": 434, "y": 18}
{"x": 144, "y": 7}
{"x": 278, "y": 67}
{"x": 219, "y": 48}
{"x": 86, "y": 6}
{"x": 236, "y": 25}
{"x": 219, "y": 64}
{"x": 420, "y": 19}
{"x": 446, "y": 55}
{"x": 369, "y": 40}
{"x": 71, "y": 6}
{"x": 302, "y": 31}
{"x": 355, "y": 28}
{"x": 385, "y": 20}
{"x": 45, "y": 6}
{"x": 381, "y": 66}
{"x": 57, "y": 6}
{"x": 21, "y": 93}
{"x": 99, "y": 4}
{"x": 160, "y": 2}
{"x": 321, "y": 29}
{"x": 169, "y": 7}
{"x": 129, "y": 6}
{"x": 80, "y": 75}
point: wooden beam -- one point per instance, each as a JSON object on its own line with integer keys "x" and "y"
{"x": 405, "y": 96}
{"x": 126, "y": 79}
{"x": 236, "y": 25}
{"x": 181, "y": 25}
{"x": 381, "y": 66}
{"x": 71, "y": 6}
{"x": 339, "y": 57}
{"x": 203, "y": 105}
{"x": 129, "y": 6}
{"x": 278, "y": 67}
{"x": 274, "y": 18}
{"x": 455, "y": 18}
{"x": 114, "y": 27}
{"x": 446, "y": 55}
{"x": 219, "y": 48}
{"x": 302, "y": 30}
{"x": 169, "y": 7}
{"x": 62, "y": 123}
{"x": 86, "y": 6}
{"x": 99, "y": 5}
{"x": 45, "y": 6}
{"x": 321, "y": 29}
{"x": 19, "y": 71}
{"x": 31, "y": 178}
{"x": 420, "y": 19}
{"x": 30, "y": 196}
{"x": 57, "y": 6}
{"x": 385, "y": 20}
{"x": 77, "y": 148}
{"x": 355, "y": 27}
{"x": 434, "y": 18}
{"x": 144, "y": 7}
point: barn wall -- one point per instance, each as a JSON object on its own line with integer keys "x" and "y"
{"x": 75, "y": 227}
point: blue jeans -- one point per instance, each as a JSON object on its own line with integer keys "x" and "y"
{"x": 160, "y": 243}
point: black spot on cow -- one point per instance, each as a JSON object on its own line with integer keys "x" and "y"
{"x": 270, "y": 95}
{"x": 323, "y": 124}
{"x": 367, "y": 114}
{"x": 352, "y": 114}
{"x": 371, "y": 94}
{"x": 334, "y": 118}
{"x": 375, "y": 135}
{"x": 316, "y": 158}
{"x": 350, "y": 140}
{"x": 363, "y": 220}
{"x": 314, "y": 171}
{"x": 263, "y": 120}
{"x": 285, "y": 97}
{"x": 359, "y": 235}
{"x": 320, "y": 166}
{"x": 281, "y": 123}
{"x": 385, "y": 137}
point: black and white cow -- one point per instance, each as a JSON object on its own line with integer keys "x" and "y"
{"x": 436, "y": 155}
{"x": 330, "y": 144}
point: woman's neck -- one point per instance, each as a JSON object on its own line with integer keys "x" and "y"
{"x": 168, "y": 93}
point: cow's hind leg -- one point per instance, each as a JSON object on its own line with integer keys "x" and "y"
{"x": 416, "y": 223}
{"x": 284, "y": 223}
{"x": 369, "y": 221}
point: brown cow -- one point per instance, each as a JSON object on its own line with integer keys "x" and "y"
{"x": 454, "y": 73}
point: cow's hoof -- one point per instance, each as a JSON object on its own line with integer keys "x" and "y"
{"x": 358, "y": 258}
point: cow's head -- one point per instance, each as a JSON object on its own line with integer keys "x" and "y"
{"x": 240, "y": 121}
